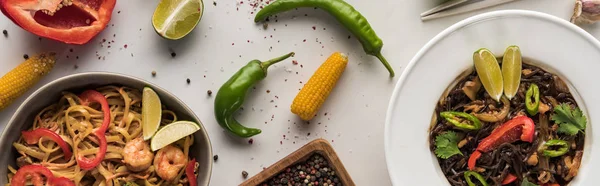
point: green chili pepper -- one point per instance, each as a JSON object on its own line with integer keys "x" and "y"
{"x": 462, "y": 120}
{"x": 477, "y": 176}
{"x": 232, "y": 94}
{"x": 355, "y": 22}
{"x": 532, "y": 105}
{"x": 563, "y": 148}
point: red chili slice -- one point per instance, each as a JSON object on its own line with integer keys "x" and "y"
{"x": 509, "y": 179}
{"x": 189, "y": 172}
{"x": 32, "y": 137}
{"x": 69, "y": 21}
{"x": 520, "y": 127}
{"x": 95, "y": 96}
{"x": 62, "y": 181}
{"x": 33, "y": 171}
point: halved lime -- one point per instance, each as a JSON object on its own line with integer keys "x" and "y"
{"x": 488, "y": 69}
{"x": 511, "y": 71}
{"x": 151, "y": 112}
{"x": 172, "y": 132}
{"x": 174, "y": 19}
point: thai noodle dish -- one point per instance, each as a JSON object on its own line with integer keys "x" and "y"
{"x": 105, "y": 136}
{"x": 508, "y": 122}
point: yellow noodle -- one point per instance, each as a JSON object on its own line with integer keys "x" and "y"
{"x": 75, "y": 123}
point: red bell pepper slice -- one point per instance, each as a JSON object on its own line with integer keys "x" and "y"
{"x": 509, "y": 179}
{"x": 62, "y": 181}
{"x": 189, "y": 172}
{"x": 95, "y": 96}
{"x": 520, "y": 127}
{"x": 32, "y": 137}
{"x": 550, "y": 184}
{"x": 35, "y": 172}
{"x": 75, "y": 22}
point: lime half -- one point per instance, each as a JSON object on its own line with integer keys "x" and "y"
{"x": 174, "y": 19}
{"x": 489, "y": 72}
{"x": 172, "y": 132}
{"x": 511, "y": 71}
{"x": 151, "y": 112}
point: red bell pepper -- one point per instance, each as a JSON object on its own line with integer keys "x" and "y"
{"x": 189, "y": 172}
{"x": 509, "y": 179}
{"x": 35, "y": 172}
{"x": 62, "y": 181}
{"x": 32, "y": 137}
{"x": 550, "y": 184}
{"x": 94, "y": 96}
{"x": 75, "y": 22}
{"x": 520, "y": 127}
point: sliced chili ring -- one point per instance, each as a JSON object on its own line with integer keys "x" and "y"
{"x": 469, "y": 174}
{"x": 462, "y": 120}
{"x": 532, "y": 99}
{"x": 563, "y": 148}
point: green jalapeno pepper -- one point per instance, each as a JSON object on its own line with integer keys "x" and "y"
{"x": 462, "y": 120}
{"x": 532, "y": 105}
{"x": 232, "y": 94}
{"x": 349, "y": 17}
{"x": 477, "y": 176}
{"x": 563, "y": 148}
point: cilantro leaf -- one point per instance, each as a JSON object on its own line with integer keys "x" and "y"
{"x": 570, "y": 121}
{"x": 527, "y": 183}
{"x": 447, "y": 145}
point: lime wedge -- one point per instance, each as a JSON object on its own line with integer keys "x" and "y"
{"x": 151, "y": 112}
{"x": 489, "y": 72}
{"x": 511, "y": 71}
{"x": 174, "y": 19}
{"x": 172, "y": 132}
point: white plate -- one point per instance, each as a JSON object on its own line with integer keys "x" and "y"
{"x": 554, "y": 42}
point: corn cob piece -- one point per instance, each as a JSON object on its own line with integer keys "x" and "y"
{"x": 317, "y": 89}
{"x": 21, "y": 78}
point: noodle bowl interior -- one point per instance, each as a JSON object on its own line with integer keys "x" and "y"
{"x": 481, "y": 141}
{"x": 91, "y": 149}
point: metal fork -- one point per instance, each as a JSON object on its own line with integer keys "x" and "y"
{"x": 454, "y": 7}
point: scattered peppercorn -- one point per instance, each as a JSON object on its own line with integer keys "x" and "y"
{"x": 251, "y": 141}
{"x": 215, "y": 157}
{"x": 314, "y": 171}
{"x": 5, "y": 33}
{"x": 173, "y": 54}
{"x": 269, "y": 91}
{"x": 26, "y": 56}
{"x": 209, "y": 92}
{"x": 153, "y": 73}
{"x": 244, "y": 174}
{"x": 188, "y": 81}
{"x": 75, "y": 66}
{"x": 265, "y": 26}
{"x": 215, "y": 3}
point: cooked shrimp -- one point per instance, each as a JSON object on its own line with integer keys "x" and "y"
{"x": 137, "y": 155}
{"x": 169, "y": 161}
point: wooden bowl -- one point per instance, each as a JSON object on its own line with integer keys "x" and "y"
{"x": 320, "y": 146}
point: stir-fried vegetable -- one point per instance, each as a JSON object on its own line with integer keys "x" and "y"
{"x": 520, "y": 127}
{"x": 469, "y": 174}
{"x": 570, "y": 121}
{"x": 447, "y": 145}
{"x": 495, "y": 116}
{"x": 509, "y": 179}
{"x": 462, "y": 120}
{"x": 561, "y": 146}
{"x": 527, "y": 183}
{"x": 532, "y": 99}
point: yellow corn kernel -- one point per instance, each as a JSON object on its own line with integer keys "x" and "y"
{"x": 21, "y": 78}
{"x": 317, "y": 89}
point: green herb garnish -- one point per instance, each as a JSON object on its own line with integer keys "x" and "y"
{"x": 527, "y": 183}
{"x": 570, "y": 121}
{"x": 447, "y": 145}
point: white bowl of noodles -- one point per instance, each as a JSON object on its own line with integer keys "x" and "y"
{"x": 51, "y": 93}
{"x": 553, "y": 43}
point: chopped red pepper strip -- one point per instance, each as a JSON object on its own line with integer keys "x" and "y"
{"x": 509, "y": 179}
{"x": 520, "y": 127}
{"x": 95, "y": 96}
{"x": 189, "y": 172}
{"x": 35, "y": 171}
{"x": 551, "y": 184}
{"x": 32, "y": 137}
{"x": 62, "y": 181}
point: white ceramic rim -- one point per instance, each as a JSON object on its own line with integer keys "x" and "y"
{"x": 447, "y": 32}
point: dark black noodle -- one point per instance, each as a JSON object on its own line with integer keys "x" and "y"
{"x": 508, "y": 158}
